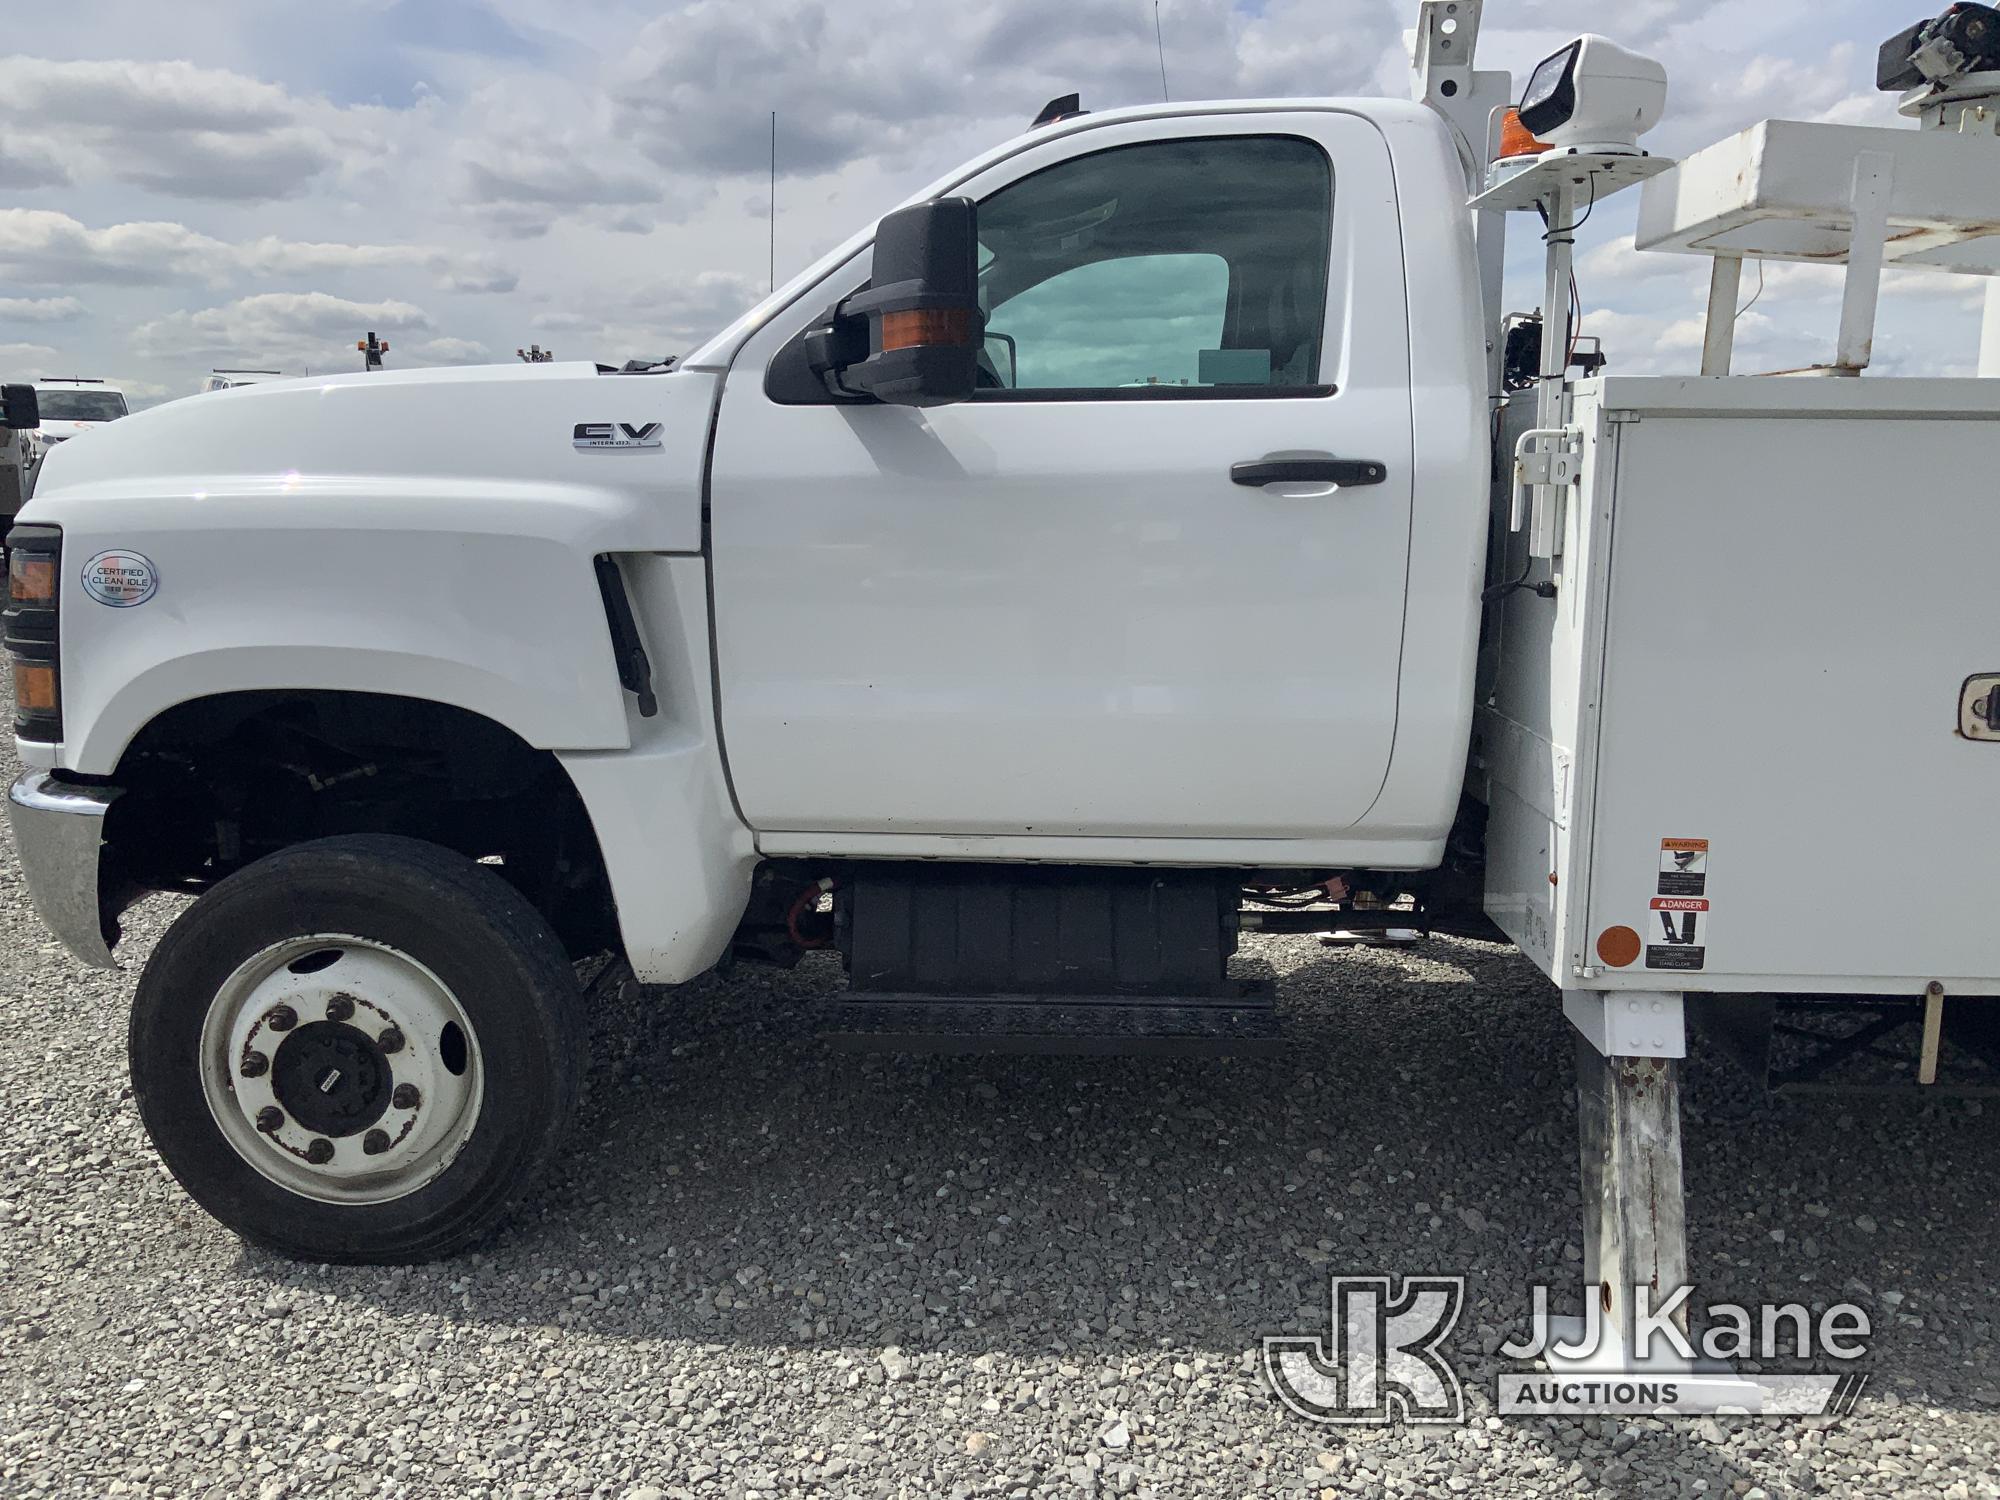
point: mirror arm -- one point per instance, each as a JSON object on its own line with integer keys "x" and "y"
{"x": 838, "y": 339}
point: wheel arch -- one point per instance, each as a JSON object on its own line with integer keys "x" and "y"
{"x": 208, "y": 784}
{"x": 550, "y": 717}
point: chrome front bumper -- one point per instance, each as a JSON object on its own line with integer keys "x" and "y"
{"x": 58, "y": 831}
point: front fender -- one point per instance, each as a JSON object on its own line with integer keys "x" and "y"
{"x": 508, "y": 626}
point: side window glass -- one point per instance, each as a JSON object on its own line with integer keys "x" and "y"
{"x": 1182, "y": 266}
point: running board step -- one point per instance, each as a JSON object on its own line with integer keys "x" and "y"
{"x": 1077, "y": 1025}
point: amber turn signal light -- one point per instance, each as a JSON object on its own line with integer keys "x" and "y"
{"x": 1516, "y": 139}
{"x": 34, "y": 687}
{"x": 926, "y": 327}
{"x": 31, "y": 580}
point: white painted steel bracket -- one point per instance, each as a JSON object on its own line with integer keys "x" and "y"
{"x": 1445, "y": 44}
{"x": 1629, "y": 1023}
{"x": 1547, "y": 462}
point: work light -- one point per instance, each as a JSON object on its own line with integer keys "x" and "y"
{"x": 1594, "y": 97}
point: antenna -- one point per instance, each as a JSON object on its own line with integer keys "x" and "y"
{"x": 1160, "y": 42}
{"x": 774, "y": 201}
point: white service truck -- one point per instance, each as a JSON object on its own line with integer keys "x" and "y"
{"x": 1126, "y": 540}
{"x": 72, "y": 405}
{"x": 20, "y": 417}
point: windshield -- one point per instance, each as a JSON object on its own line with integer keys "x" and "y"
{"x": 81, "y": 406}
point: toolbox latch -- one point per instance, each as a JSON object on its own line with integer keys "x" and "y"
{"x": 1979, "y": 707}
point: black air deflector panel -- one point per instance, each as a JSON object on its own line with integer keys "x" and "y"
{"x": 1028, "y": 930}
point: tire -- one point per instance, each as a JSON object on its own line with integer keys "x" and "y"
{"x": 305, "y": 1006}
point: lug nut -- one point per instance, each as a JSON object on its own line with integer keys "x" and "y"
{"x": 269, "y": 1118}
{"x": 375, "y": 1142}
{"x": 255, "y": 1065}
{"x": 281, "y": 1018}
{"x": 320, "y": 1152}
{"x": 406, "y": 1096}
{"x": 390, "y": 1040}
{"x": 340, "y": 1008}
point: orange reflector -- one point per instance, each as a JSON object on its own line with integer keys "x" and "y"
{"x": 1618, "y": 946}
{"x": 1515, "y": 138}
{"x": 35, "y": 687}
{"x": 32, "y": 580}
{"x": 925, "y": 326}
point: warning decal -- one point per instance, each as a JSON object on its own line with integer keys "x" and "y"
{"x": 1683, "y": 867}
{"x": 1677, "y": 933}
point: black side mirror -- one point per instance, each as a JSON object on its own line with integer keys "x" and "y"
{"x": 20, "y": 408}
{"x": 924, "y": 325}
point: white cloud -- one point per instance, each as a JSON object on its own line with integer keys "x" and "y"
{"x": 527, "y": 163}
{"x": 1619, "y": 260}
{"x": 26, "y": 361}
{"x": 175, "y": 128}
{"x": 42, "y": 247}
{"x": 651, "y": 323}
{"x": 450, "y": 351}
{"x": 26, "y": 162}
{"x": 277, "y": 330}
{"x": 887, "y": 81}
{"x": 40, "y": 309}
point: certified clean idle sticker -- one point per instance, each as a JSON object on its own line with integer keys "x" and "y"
{"x": 120, "y": 579}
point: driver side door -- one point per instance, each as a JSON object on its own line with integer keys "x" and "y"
{"x": 1063, "y": 609}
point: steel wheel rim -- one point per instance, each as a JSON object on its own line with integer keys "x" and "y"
{"x": 341, "y": 1069}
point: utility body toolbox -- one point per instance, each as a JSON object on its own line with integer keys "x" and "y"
{"x": 1754, "y": 734}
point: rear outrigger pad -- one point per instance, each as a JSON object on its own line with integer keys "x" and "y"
{"x": 1075, "y": 1025}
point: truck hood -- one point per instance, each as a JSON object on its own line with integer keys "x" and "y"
{"x": 457, "y": 449}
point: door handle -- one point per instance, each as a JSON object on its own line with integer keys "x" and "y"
{"x": 1345, "y": 472}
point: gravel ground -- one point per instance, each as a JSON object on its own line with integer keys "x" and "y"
{"x": 768, "y": 1269}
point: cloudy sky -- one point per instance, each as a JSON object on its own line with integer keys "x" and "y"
{"x": 257, "y": 182}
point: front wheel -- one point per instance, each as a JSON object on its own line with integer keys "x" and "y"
{"x": 358, "y": 1049}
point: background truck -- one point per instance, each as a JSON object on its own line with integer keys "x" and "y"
{"x": 20, "y": 415}
{"x": 229, "y": 380}
{"x": 1128, "y": 543}
{"x": 73, "y": 405}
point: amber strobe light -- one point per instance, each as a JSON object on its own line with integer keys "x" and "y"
{"x": 34, "y": 574}
{"x": 1516, "y": 139}
{"x": 926, "y": 327}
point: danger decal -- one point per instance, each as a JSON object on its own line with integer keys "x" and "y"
{"x": 1677, "y": 933}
